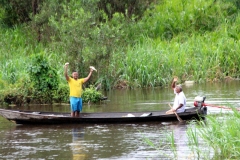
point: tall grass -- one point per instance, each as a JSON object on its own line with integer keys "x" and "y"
{"x": 13, "y": 53}
{"x": 211, "y": 56}
{"x": 172, "y": 17}
{"x": 216, "y": 138}
{"x": 16, "y": 48}
{"x": 220, "y": 135}
{"x": 166, "y": 147}
{"x": 194, "y": 40}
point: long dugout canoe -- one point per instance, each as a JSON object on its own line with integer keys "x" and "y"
{"x": 33, "y": 117}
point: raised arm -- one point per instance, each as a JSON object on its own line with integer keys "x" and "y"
{"x": 65, "y": 71}
{"x": 175, "y": 79}
{"x": 89, "y": 75}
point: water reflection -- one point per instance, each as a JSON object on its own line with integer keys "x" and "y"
{"x": 77, "y": 146}
{"x": 105, "y": 142}
{"x": 180, "y": 138}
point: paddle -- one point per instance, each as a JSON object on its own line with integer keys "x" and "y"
{"x": 179, "y": 119}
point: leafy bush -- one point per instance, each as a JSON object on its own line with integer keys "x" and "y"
{"x": 19, "y": 93}
{"x": 91, "y": 95}
{"x": 61, "y": 94}
{"x": 43, "y": 77}
{"x": 15, "y": 11}
{"x": 11, "y": 96}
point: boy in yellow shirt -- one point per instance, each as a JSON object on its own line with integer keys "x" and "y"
{"x": 75, "y": 86}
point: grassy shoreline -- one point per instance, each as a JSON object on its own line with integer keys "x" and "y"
{"x": 198, "y": 41}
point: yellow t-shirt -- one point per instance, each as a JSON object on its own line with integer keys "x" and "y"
{"x": 75, "y": 87}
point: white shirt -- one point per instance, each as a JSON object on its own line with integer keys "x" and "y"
{"x": 179, "y": 99}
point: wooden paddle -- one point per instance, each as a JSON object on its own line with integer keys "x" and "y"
{"x": 179, "y": 119}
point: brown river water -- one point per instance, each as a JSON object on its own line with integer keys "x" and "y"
{"x": 114, "y": 141}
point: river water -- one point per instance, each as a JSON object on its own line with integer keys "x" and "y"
{"x": 114, "y": 141}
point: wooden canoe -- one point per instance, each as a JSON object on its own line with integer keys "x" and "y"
{"x": 30, "y": 117}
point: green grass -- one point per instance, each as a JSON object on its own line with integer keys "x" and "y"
{"x": 4, "y": 123}
{"x": 216, "y": 137}
{"x": 194, "y": 40}
{"x": 221, "y": 134}
{"x": 199, "y": 58}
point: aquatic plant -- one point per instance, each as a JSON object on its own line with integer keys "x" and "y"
{"x": 221, "y": 135}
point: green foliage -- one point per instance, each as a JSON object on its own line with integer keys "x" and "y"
{"x": 91, "y": 95}
{"x": 91, "y": 44}
{"x": 19, "y": 93}
{"x": 16, "y": 46}
{"x": 39, "y": 24}
{"x": 9, "y": 96}
{"x": 137, "y": 45}
{"x": 2, "y": 83}
{"x": 15, "y": 11}
{"x": 146, "y": 66}
{"x": 128, "y": 8}
{"x": 61, "y": 95}
{"x": 199, "y": 58}
{"x": 42, "y": 75}
{"x": 6, "y": 124}
{"x": 44, "y": 78}
{"x": 220, "y": 134}
{"x": 187, "y": 16}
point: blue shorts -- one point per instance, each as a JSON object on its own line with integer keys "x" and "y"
{"x": 76, "y": 104}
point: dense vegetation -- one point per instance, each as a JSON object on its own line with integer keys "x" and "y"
{"x": 220, "y": 133}
{"x": 135, "y": 43}
{"x": 215, "y": 138}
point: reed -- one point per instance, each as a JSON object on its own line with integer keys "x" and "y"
{"x": 199, "y": 58}
{"x": 166, "y": 146}
{"x": 196, "y": 144}
{"x": 215, "y": 138}
{"x": 220, "y": 134}
{"x": 13, "y": 54}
